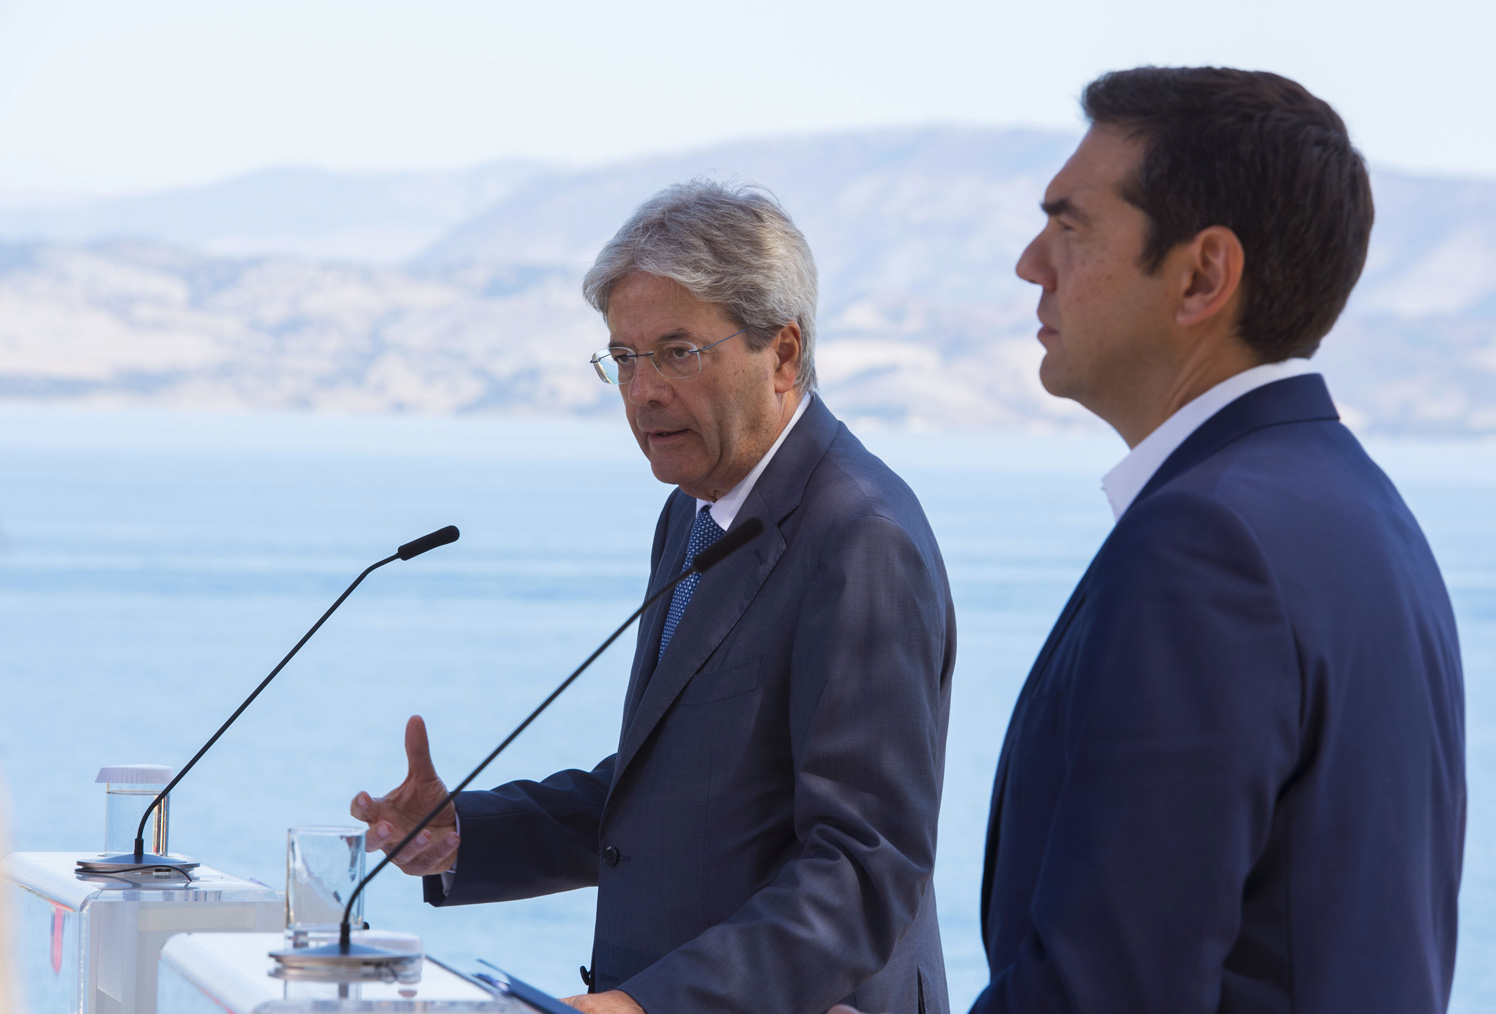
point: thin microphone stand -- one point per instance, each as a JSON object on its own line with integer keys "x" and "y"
{"x": 140, "y": 831}
{"x": 703, "y": 561}
{"x": 411, "y": 549}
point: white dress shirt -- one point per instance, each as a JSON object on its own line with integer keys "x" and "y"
{"x": 727, "y": 506}
{"x": 1124, "y": 482}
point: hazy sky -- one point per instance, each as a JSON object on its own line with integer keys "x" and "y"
{"x": 104, "y": 96}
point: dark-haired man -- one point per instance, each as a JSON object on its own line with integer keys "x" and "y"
{"x": 1234, "y": 780}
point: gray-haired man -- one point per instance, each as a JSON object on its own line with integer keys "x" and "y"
{"x": 764, "y": 837}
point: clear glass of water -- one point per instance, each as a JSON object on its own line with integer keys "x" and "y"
{"x": 123, "y": 807}
{"x": 323, "y": 866}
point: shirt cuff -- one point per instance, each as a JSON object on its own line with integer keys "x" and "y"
{"x": 449, "y": 876}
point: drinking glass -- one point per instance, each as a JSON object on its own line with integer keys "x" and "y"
{"x": 123, "y": 807}
{"x": 323, "y": 866}
{"x": 128, "y": 790}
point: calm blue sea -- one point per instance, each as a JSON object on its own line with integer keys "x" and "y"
{"x": 154, "y": 566}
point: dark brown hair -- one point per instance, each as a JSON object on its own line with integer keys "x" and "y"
{"x": 1260, "y": 155}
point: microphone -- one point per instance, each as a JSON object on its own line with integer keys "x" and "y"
{"x": 722, "y": 549}
{"x": 708, "y": 558}
{"x": 426, "y": 543}
{"x": 140, "y": 861}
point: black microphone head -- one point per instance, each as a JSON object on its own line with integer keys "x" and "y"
{"x": 736, "y": 539}
{"x": 426, "y": 543}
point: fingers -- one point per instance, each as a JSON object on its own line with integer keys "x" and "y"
{"x": 364, "y": 807}
{"x": 382, "y": 835}
{"x": 614, "y": 1001}
{"x": 418, "y": 751}
{"x": 391, "y": 817}
{"x": 430, "y": 852}
{"x": 375, "y": 813}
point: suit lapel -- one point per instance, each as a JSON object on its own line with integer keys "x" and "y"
{"x": 719, "y": 601}
{"x": 652, "y": 623}
{"x": 1036, "y": 675}
{"x": 726, "y": 591}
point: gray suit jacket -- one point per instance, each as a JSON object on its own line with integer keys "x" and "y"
{"x": 763, "y": 839}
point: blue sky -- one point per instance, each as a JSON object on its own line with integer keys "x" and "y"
{"x": 102, "y": 96}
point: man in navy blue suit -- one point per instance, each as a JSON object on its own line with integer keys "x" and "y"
{"x": 764, "y": 836}
{"x": 1234, "y": 780}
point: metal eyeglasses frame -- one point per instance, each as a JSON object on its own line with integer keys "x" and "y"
{"x": 601, "y": 355}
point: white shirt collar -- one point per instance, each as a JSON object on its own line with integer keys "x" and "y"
{"x": 1124, "y": 482}
{"x": 727, "y": 506}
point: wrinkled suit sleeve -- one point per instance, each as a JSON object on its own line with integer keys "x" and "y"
{"x": 525, "y": 839}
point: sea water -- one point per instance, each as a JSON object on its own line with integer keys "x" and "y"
{"x": 154, "y": 566}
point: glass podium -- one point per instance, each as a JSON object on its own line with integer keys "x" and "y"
{"x": 229, "y": 973}
{"x": 90, "y": 944}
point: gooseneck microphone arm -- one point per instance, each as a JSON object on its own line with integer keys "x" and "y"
{"x": 704, "y": 561}
{"x": 441, "y": 537}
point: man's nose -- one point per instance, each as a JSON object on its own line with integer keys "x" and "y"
{"x": 647, "y": 385}
{"x": 1033, "y": 264}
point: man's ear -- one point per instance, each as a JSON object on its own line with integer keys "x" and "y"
{"x": 1210, "y": 272}
{"x": 787, "y": 352}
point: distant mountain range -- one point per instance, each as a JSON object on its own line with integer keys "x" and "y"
{"x": 370, "y": 217}
{"x": 458, "y": 291}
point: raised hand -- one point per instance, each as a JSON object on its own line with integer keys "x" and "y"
{"x": 390, "y": 817}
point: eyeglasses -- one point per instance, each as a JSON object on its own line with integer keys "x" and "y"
{"x": 674, "y": 360}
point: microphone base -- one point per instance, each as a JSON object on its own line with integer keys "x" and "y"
{"x": 148, "y": 865}
{"x": 360, "y": 963}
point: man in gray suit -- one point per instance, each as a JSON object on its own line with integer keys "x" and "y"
{"x": 764, "y": 837}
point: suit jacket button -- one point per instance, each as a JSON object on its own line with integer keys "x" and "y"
{"x": 610, "y": 855}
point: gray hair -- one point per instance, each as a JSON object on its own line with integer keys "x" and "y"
{"x": 728, "y": 244}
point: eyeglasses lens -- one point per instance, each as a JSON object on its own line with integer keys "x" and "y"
{"x": 606, "y": 367}
{"x": 678, "y": 362}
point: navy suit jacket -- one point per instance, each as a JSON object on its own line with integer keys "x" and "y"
{"x": 1234, "y": 780}
{"x": 763, "y": 839}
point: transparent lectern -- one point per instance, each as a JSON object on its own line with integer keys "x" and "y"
{"x": 230, "y": 973}
{"x": 89, "y": 945}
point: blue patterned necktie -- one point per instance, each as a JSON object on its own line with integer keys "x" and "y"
{"x": 704, "y": 532}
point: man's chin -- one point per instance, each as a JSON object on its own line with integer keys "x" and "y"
{"x": 672, "y": 470}
{"x": 1052, "y": 377}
